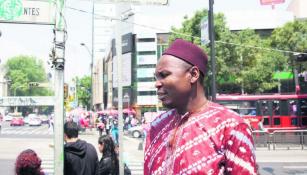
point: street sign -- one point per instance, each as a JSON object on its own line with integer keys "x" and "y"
{"x": 150, "y": 2}
{"x": 204, "y": 29}
{"x": 27, "y": 11}
{"x": 27, "y": 101}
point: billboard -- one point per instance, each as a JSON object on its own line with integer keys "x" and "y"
{"x": 126, "y": 70}
{"x": 27, "y": 11}
{"x": 270, "y": 2}
{"x": 150, "y": 2}
{"x": 27, "y": 101}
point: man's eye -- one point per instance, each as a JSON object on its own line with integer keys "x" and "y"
{"x": 161, "y": 75}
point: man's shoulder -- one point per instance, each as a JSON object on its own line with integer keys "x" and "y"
{"x": 162, "y": 118}
{"x": 90, "y": 146}
{"x": 224, "y": 113}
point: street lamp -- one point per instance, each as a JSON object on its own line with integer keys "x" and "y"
{"x": 92, "y": 60}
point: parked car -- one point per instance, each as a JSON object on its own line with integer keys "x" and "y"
{"x": 35, "y": 121}
{"x": 17, "y": 121}
{"x": 136, "y": 131}
{"x": 44, "y": 118}
{"x": 7, "y": 117}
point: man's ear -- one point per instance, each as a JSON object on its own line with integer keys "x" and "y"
{"x": 195, "y": 74}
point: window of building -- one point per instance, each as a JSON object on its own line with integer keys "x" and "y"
{"x": 148, "y": 79}
{"x": 146, "y": 52}
{"x": 146, "y": 93}
{"x": 146, "y": 39}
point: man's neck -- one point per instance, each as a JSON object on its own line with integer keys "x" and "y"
{"x": 69, "y": 140}
{"x": 196, "y": 103}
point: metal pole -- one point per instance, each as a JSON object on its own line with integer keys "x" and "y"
{"x": 212, "y": 48}
{"x": 120, "y": 88}
{"x": 58, "y": 63}
{"x": 92, "y": 55}
{"x": 59, "y": 122}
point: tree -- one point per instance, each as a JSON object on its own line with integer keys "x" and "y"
{"x": 292, "y": 37}
{"x": 84, "y": 91}
{"x": 244, "y": 61}
{"x": 22, "y": 70}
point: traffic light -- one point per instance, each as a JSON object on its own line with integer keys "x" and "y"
{"x": 33, "y": 84}
{"x": 301, "y": 57}
{"x": 65, "y": 90}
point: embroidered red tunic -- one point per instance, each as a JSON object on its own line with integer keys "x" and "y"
{"x": 213, "y": 141}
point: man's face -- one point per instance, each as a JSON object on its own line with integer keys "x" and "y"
{"x": 173, "y": 81}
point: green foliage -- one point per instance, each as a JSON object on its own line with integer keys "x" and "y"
{"x": 84, "y": 91}
{"x": 22, "y": 70}
{"x": 292, "y": 36}
{"x": 244, "y": 59}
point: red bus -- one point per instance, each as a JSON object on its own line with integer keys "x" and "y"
{"x": 275, "y": 111}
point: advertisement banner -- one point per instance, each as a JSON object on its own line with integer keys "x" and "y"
{"x": 204, "y": 29}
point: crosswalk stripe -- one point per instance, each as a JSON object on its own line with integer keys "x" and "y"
{"x": 26, "y": 130}
{"x": 136, "y": 168}
{"x": 48, "y": 166}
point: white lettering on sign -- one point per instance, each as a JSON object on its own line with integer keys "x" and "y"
{"x": 31, "y": 11}
{"x": 27, "y": 101}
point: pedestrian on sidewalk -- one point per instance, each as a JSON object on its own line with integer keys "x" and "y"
{"x": 28, "y": 163}
{"x": 195, "y": 136}
{"x": 114, "y": 131}
{"x": 108, "y": 164}
{"x": 80, "y": 157}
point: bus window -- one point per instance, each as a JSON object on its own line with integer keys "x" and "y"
{"x": 293, "y": 107}
{"x": 265, "y": 108}
{"x": 266, "y": 121}
{"x": 276, "y": 108}
{"x": 277, "y": 121}
{"x": 294, "y": 121}
{"x": 303, "y": 107}
{"x": 284, "y": 109}
{"x": 241, "y": 107}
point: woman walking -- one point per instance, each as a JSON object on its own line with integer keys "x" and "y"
{"x": 108, "y": 164}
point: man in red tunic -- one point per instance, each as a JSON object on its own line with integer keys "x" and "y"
{"x": 195, "y": 136}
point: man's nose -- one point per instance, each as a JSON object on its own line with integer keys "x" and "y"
{"x": 158, "y": 84}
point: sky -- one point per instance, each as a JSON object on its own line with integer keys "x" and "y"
{"x": 36, "y": 40}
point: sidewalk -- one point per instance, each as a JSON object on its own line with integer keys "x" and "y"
{"x": 131, "y": 145}
{"x": 266, "y": 155}
{"x": 132, "y": 152}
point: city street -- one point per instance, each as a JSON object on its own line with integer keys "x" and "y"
{"x": 12, "y": 144}
{"x": 279, "y": 162}
{"x": 25, "y": 131}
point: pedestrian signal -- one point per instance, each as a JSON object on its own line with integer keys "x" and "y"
{"x": 301, "y": 57}
{"x": 33, "y": 84}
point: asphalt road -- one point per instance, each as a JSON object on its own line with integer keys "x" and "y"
{"x": 25, "y": 131}
{"x": 271, "y": 162}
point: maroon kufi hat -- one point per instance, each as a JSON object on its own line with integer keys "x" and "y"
{"x": 188, "y": 52}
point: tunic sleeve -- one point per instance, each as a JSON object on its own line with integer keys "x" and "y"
{"x": 239, "y": 151}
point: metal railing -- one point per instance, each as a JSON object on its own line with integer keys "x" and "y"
{"x": 281, "y": 139}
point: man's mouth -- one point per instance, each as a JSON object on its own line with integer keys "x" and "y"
{"x": 161, "y": 95}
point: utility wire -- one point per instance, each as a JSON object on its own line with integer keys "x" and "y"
{"x": 183, "y": 34}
